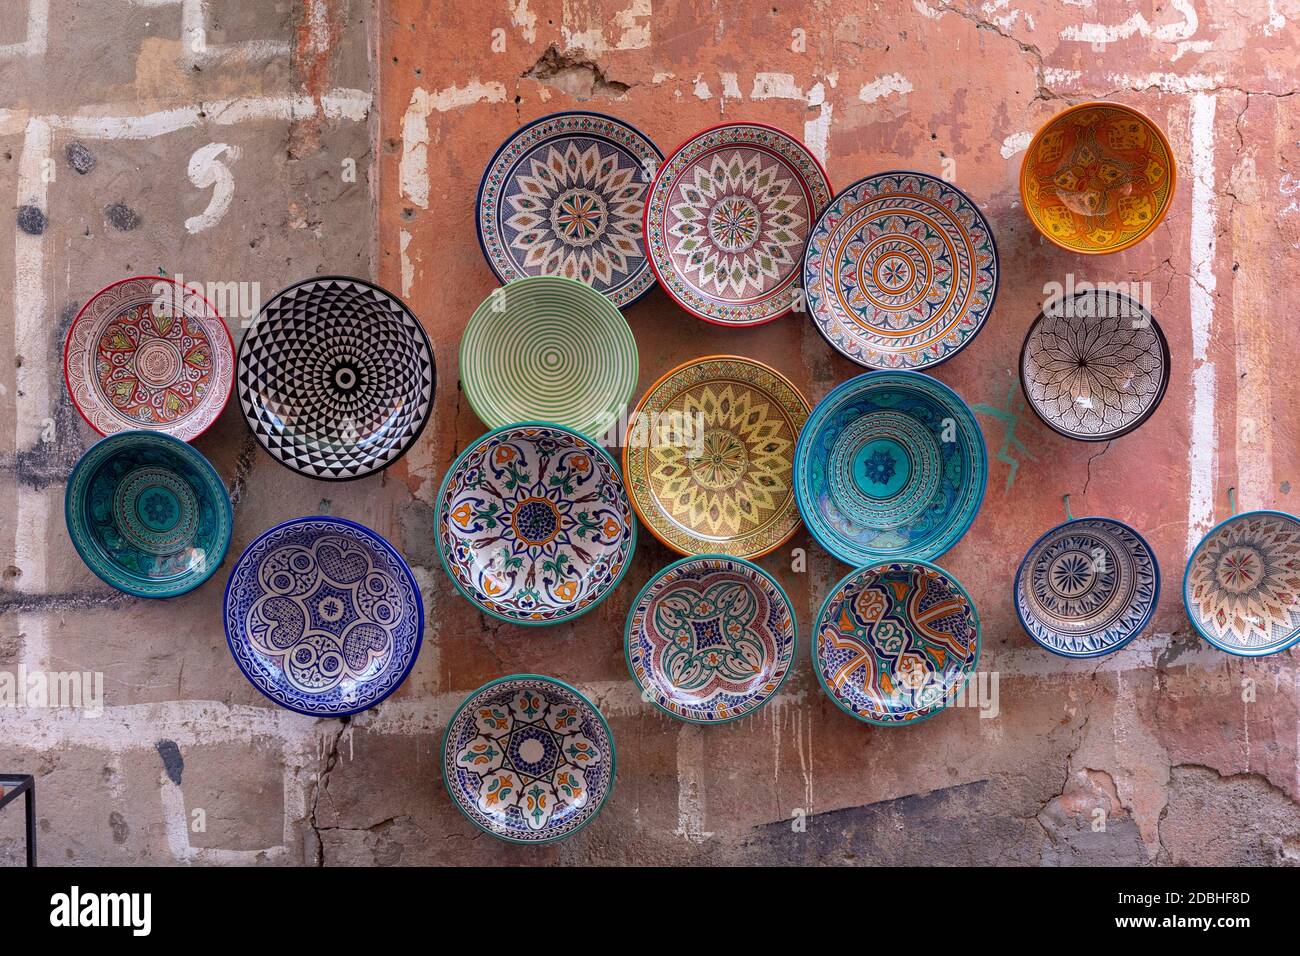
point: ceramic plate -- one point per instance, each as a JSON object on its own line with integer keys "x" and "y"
{"x": 895, "y": 641}
{"x": 709, "y": 457}
{"x": 533, "y": 525}
{"x": 528, "y": 759}
{"x": 710, "y": 639}
{"x": 552, "y": 349}
{"x": 149, "y": 353}
{"x": 1242, "y": 586}
{"x": 564, "y": 195}
{"x": 148, "y": 514}
{"x": 1097, "y": 178}
{"x": 336, "y": 378}
{"x": 728, "y": 218}
{"x": 323, "y": 616}
{"x": 901, "y": 271}
{"x": 1087, "y": 587}
{"x": 1094, "y": 366}
{"x": 890, "y": 465}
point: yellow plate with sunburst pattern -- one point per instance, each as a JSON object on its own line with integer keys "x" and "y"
{"x": 708, "y": 457}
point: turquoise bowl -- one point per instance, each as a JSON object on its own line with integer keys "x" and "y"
{"x": 148, "y": 514}
{"x": 890, "y": 466}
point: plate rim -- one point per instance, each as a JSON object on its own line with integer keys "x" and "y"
{"x": 609, "y": 735}
{"x": 437, "y": 522}
{"x": 813, "y": 640}
{"x": 997, "y": 263}
{"x": 1146, "y": 618}
{"x": 655, "y": 578}
{"x": 384, "y": 544}
{"x": 482, "y": 182}
{"x": 645, "y": 216}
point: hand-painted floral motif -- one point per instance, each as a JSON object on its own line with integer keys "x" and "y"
{"x": 528, "y": 759}
{"x": 1087, "y": 587}
{"x": 901, "y": 271}
{"x": 564, "y": 196}
{"x": 710, "y": 639}
{"x": 323, "y": 616}
{"x": 533, "y": 524}
{"x": 894, "y": 642}
{"x": 727, "y": 221}
{"x": 1242, "y": 588}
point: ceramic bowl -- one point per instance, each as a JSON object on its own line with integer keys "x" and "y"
{"x": 1087, "y": 587}
{"x": 727, "y": 221}
{"x": 323, "y": 616}
{"x": 528, "y": 759}
{"x": 710, "y": 639}
{"x": 891, "y": 465}
{"x": 533, "y": 525}
{"x": 709, "y": 457}
{"x": 564, "y": 195}
{"x": 148, "y": 514}
{"x": 336, "y": 378}
{"x": 1094, "y": 366}
{"x": 149, "y": 353}
{"x": 1098, "y": 178}
{"x": 551, "y": 349}
{"x": 901, "y": 271}
{"x": 894, "y": 642}
{"x": 1242, "y": 584}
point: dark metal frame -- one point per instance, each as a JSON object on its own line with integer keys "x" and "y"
{"x": 11, "y": 785}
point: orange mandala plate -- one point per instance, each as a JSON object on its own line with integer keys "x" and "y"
{"x": 708, "y": 458}
{"x": 1098, "y": 178}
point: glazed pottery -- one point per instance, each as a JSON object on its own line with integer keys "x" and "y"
{"x": 895, "y": 641}
{"x": 149, "y": 353}
{"x": 564, "y": 195}
{"x": 1094, "y": 366}
{"x": 727, "y": 221}
{"x": 901, "y": 271}
{"x": 552, "y": 349}
{"x": 1097, "y": 178}
{"x": 709, "y": 457}
{"x": 533, "y": 525}
{"x": 148, "y": 514}
{"x": 323, "y": 616}
{"x": 1087, "y": 587}
{"x": 528, "y": 759}
{"x": 890, "y": 465}
{"x": 1242, "y": 584}
{"x": 710, "y": 639}
{"x": 336, "y": 378}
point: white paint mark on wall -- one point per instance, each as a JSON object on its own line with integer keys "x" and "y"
{"x": 701, "y": 89}
{"x": 413, "y": 169}
{"x": 632, "y": 24}
{"x": 177, "y": 828}
{"x": 206, "y": 171}
{"x": 1201, "y": 451}
{"x": 1138, "y": 25}
{"x": 37, "y": 39}
{"x": 1166, "y": 82}
{"x": 408, "y": 268}
{"x": 690, "y": 795}
{"x": 775, "y": 86}
{"x": 1016, "y": 143}
{"x": 817, "y": 132}
{"x": 883, "y": 86}
{"x": 523, "y": 19}
{"x": 927, "y": 11}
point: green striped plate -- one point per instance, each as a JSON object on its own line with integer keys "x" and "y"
{"x": 547, "y": 348}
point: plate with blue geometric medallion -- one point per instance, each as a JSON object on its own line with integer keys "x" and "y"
{"x": 1087, "y": 587}
{"x": 890, "y": 465}
{"x": 323, "y": 616}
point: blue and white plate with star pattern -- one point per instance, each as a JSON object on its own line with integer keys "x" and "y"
{"x": 323, "y": 616}
{"x": 564, "y": 196}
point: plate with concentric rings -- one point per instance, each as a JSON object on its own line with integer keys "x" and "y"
{"x": 552, "y": 349}
{"x": 901, "y": 271}
{"x": 336, "y": 378}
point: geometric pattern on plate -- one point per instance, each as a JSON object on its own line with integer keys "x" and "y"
{"x": 1087, "y": 587}
{"x": 901, "y": 271}
{"x": 533, "y": 524}
{"x": 528, "y": 759}
{"x": 710, "y": 639}
{"x": 564, "y": 195}
{"x": 895, "y": 641}
{"x": 728, "y": 219}
{"x": 323, "y": 616}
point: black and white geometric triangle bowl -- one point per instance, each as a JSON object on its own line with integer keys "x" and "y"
{"x": 336, "y": 378}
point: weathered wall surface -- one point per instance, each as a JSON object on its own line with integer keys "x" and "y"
{"x": 1190, "y": 755}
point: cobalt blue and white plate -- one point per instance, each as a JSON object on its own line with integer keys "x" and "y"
{"x": 1087, "y": 587}
{"x": 323, "y": 616}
